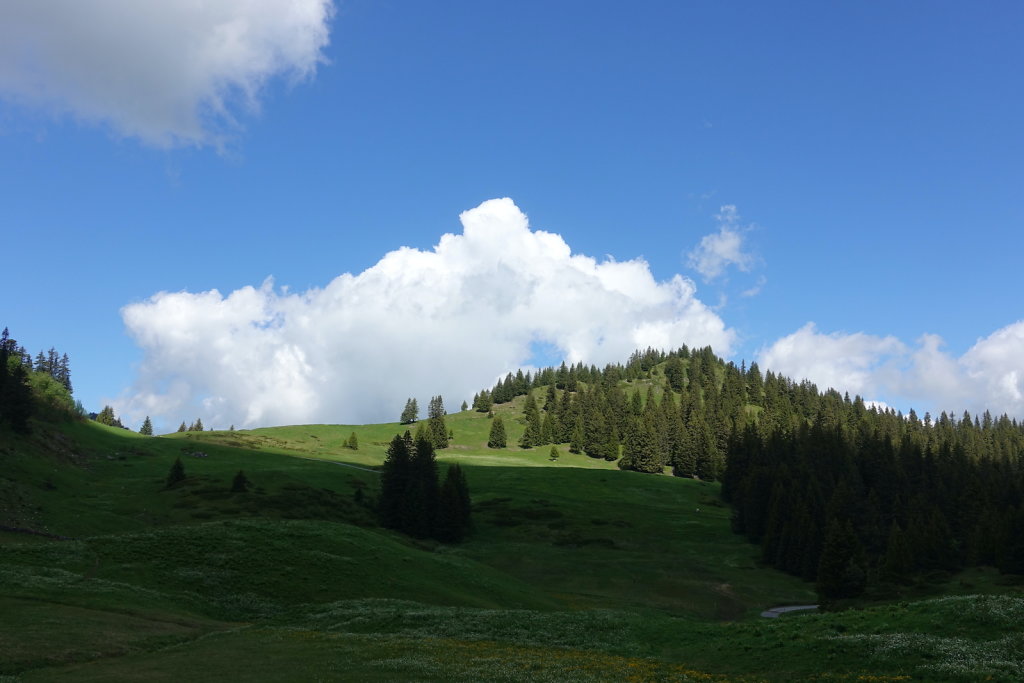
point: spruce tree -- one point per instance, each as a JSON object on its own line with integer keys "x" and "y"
{"x": 496, "y": 438}
{"x": 394, "y": 482}
{"x": 547, "y": 429}
{"x": 453, "y": 507}
{"x": 240, "y": 484}
{"x": 482, "y": 402}
{"x": 435, "y": 421}
{"x": 410, "y": 413}
{"x": 422, "y": 494}
{"x": 842, "y": 570}
{"x": 640, "y": 449}
{"x": 897, "y": 564}
{"x": 352, "y": 442}
{"x": 176, "y": 473}
{"x": 182, "y": 427}
{"x": 553, "y": 454}
{"x": 16, "y": 403}
{"x": 532, "y": 434}
{"x": 147, "y": 427}
{"x": 105, "y": 416}
{"x": 576, "y": 440}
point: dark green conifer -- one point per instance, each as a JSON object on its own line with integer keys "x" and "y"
{"x": 640, "y": 449}
{"x": 240, "y": 484}
{"x": 105, "y": 416}
{"x": 532, "y": 434}
{"x": 842, "y": 570}
{"x": 496, "y": 438}
{"x": 898, "y": 563}
{"x": 176, "y": 474}
{"x": 453, "y": 508}
{"x": 421, "y": 497}
{"x": 576, "y": 441}
{"x": 395, "y": 479}
{"x": 411, "y": 412}
{"x": 435, "y": 420}
{"x": 147, "y": 427}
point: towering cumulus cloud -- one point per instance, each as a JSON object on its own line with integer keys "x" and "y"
{"x": 168, "y": 73}
{"x": 417, "y": 323}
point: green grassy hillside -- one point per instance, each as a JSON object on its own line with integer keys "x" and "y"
{"x": 575, "y": 571}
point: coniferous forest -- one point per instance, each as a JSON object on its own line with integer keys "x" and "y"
{"x": 849, "y": 496}
{"x": 29, "y": 388}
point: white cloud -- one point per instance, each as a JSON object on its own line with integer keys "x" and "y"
{"x": 417, "y": 323}
{"x": 989, "y": 376}
{"x": 719, "y": 250}
{"x": 848, "y": 362}
{"x": 168, "y": 73}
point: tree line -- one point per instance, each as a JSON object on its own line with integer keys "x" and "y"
{"x": 29, "y": 388}
{"x": 682, "y": 421}
{"x": 856, "y": 499}
{"x": 835, "y": 491}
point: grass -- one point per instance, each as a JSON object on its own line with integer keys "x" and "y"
{"x": 575, "y": 571}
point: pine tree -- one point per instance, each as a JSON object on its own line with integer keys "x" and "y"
{"x": 16, "y": 402}
{"x": 352, "y": 442}
{"x": 176, "y": 474}
{"x": 576, "y": 440}
{"x": 897, "y": 563}
{"x": 240, "y": 484}
{"x": 553, "y": 454}
{"x": 453, "y": 509}
{"x": 435, "y": 421}
{"x": 411, "y": 412}
{"x": 482, "y": 403}
{"x": 547, "y": 429}
{"x": 465, "y": 406}
{"x": 394, "y": 482}
{"x": 182, "y": 428}
{"x": 842, "y": 570}
{"x": 422, "y": 493}
{"x": 147, "y": 427}
{"x": 613, "y": 448}
{"x": 496, "y": 438}
{"x": 532, "y": 434}
{"x": 105, "y": 416}
{"x": 640, "y": 450}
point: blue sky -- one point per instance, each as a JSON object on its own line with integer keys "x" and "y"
{"x": 871, "y": 154}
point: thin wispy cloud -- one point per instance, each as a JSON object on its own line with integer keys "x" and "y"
{"x": 166, "y": 73}
{"x": 722, "y": 250}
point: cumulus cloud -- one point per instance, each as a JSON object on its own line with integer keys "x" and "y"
{"x": 168, "y": 73}
{"x": 848, "y": 362}
{"x": 720, "y": 250}
{"x": 989, "y": 376}
{"x": 417, "y": 323}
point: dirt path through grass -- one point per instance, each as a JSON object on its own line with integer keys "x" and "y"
{"x": 776, "y": 612}
{"x": 343, "y": 464}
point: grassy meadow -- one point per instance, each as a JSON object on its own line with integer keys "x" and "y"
{"x": 575, "y": 571}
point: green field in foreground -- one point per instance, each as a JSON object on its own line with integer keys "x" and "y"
{"x": 575, "y": 571}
